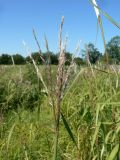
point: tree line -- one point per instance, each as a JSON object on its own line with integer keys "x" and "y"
{"x": 6, "y": 59}
{"x": 91, "y": 52}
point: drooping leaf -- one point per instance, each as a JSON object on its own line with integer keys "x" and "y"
{"x": 68, "y": 129}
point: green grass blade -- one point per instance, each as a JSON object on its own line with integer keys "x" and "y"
{"x": 97, "y": 113}
{"x": 9, "y": 136}
{"x": 110, "y": 19}
{"x": 68, "y": 129}
{"x": 113, "y": 153}
{"x": 107, "y": 16}
{"x": 95, "y": 135}
{"x": 108, "y": 136}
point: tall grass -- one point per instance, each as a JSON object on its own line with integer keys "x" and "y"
{"x": 59, "y": 112}
{"x": 90, "y": 113}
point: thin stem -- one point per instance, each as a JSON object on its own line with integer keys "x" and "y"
{"x": 59, "y": 87}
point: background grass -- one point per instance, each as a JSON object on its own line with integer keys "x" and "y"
{"x": 91, "y": 108}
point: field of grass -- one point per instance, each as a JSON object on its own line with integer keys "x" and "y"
{"x": 60, "y": 112}
{"x": 89, "y": 123}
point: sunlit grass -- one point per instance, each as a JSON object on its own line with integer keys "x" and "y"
{"x": 90, "y": 107}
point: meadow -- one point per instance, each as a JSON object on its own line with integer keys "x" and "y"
{"x": 60, "y": 112}
{"x": 89, "y": 123}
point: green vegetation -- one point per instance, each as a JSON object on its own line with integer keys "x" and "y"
{"x": 113, "y": 48}
{"x": 90, "y": 107}
{"x": 63, "y": 111}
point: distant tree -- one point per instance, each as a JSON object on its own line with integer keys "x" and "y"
{"x": 50, "y": 58}
{"x": 5, "y": 59}
{"x": 28, "y": 60}
{"x": 79, "y": 61}
{"x": 68, "y": 57}
{"x": 36, "y": 56}
{"x": 54, "y": 59}
{"x": 113, "y": 50}
{"x": 18, "y": 59}
{"x": 93, "y": 53}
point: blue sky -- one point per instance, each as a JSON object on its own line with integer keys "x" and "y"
{"x": 18, "y": 17}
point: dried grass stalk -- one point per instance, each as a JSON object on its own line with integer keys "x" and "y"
{"x": 59, "y": 86}
{"x": 39, "y": 48}
{"x": 39, "y": 75}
